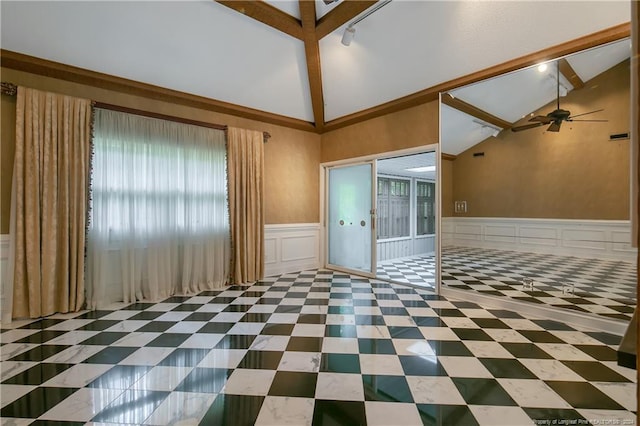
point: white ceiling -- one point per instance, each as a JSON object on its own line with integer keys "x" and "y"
{"x": 514, "y": 95}
{"x": 204, "y": 48}
{"x": 397, "y": 166}
{"x": 201, "y": 48}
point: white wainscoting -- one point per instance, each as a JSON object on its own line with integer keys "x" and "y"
{"x": 404, "y": 247}
{"x": 291, "y": 248}
{"x": 5, "y": 291}
{"x": 609, "y": 239}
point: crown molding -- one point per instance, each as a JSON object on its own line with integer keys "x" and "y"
{"x": 43, "y": 67}
{"x": 608, "y": 35}
{"x": 33, "y": 65}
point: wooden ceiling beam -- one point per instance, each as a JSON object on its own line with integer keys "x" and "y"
{"x": 340, "y": 15}
{"x": 448, "y": 157}
{"x": 474, "y": 111}
{"x": 608, "y": 35}
{"x": 267, "y": 14}
{"x": 569, "y": 73}
{"x": 312, "y": 52}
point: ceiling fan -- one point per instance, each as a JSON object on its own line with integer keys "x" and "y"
{"x": 556, "y": 117}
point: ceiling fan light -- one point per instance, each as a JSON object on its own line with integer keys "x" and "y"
{"x": 349, "y": 34}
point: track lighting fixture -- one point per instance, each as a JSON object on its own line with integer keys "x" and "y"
{"x": 349, "y": 34}
{"x": 487, "y": 129}
{"x": 350, "y": 31}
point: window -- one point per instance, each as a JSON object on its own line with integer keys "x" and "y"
{"x": 425, "y": 208}
{"x": 159, "y": 219}
{"x": 158, "y": 186}
{"x": 394, "y": 208}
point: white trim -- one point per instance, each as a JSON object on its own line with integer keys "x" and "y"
{"x": 324, "y": 175}
{"x": 4, "y": 246}
{"x": 407, "y": 151}
{"x": 286, "y": 227}
{"x": 392, "y": 240}
{"x": 435, "y": 147}
{"x": 537, "y": 311}
{"x": 419, "y": 237}
{"x": 608, "y": 239}
{"x": 291, "y": 247}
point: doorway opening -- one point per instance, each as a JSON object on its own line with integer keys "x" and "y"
{"x": 382, "y": 217}
{"x": 406, "y": 219}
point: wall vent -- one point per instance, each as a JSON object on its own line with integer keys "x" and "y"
{"x": 478, "y": 154}
{"x": 618, "y": 136}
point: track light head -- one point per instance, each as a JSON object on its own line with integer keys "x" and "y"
{"x": 349, "y": 34}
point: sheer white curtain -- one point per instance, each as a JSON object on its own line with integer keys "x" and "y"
{"x": 159, "y": 213}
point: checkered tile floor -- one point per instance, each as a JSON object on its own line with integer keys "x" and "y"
{"x": 318, "y": 348}
{"x": 602, "y": 287}
{"x": 416, "y": 270}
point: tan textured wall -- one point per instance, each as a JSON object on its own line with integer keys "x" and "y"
{"x": 291, "y": 156}
{"x": 576, "y": 173}
{"x": 7, "y": 133}
{"x": 408, "y": 128}
{"x": 446, "y": 186}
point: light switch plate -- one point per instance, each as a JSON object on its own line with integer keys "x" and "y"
{"x": 460, "y": 206}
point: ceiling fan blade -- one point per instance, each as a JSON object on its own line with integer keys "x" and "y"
{"x": 541, "y": 119}
{"x": 593, "y": 121}
{"x": 526, "y": 127}
{"x": 555, "y": 126}
{"x": 585, "y": 113}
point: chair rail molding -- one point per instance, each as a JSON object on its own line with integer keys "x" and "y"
{"x": 291, "y": 247}
{"x": 609, "y": 239}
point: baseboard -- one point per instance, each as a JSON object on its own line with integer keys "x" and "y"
{"x": 603, "y": 239}
{"x": 291, "y": 248}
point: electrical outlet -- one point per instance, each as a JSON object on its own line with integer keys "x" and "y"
{"x": 460, "y": 206}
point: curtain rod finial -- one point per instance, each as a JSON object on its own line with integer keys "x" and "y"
{"x": 7, "y": 88}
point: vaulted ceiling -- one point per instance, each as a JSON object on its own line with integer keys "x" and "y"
{"x": 472, "y": 113}
{"x": 283, "y": 60}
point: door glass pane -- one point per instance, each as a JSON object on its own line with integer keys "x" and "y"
{"x": 425, "y": 208}
{"x": 350, "y": 217}
{"x": 394, "y": 209}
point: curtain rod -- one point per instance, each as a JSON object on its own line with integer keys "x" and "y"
{"x": 11, "y": 89}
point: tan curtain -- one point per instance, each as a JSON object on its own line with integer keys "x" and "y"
{"x": 49, "y": 203}
{"x": 245, "y": 167}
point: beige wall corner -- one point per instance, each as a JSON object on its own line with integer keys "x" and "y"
{"x": 577, "y": 173}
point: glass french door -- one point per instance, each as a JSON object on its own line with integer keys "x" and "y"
{"x": 351, "y": 218}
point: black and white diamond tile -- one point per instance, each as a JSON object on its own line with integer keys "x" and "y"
{"x": 595, "y": 286}
{"x": 317, "y": 347}
{"x": 416, "y": 270}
